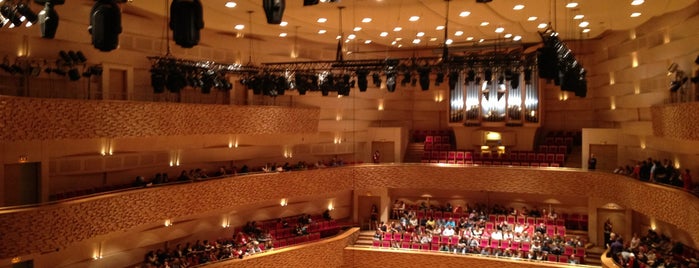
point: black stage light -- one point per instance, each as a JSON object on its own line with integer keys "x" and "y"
{"x": 310, "y": 2}
{"x": 488, "y": 75}
{"x": 514, "y": 80}
{"x": 176, "y": 81}
{"x": 407, "y": 76}
{"x": 484, "y": 1}
{"x": 677, "y": 84}
{"x": 362, "y": 80}
{"x": 343, "y": 88}
{"x": 105, "y": 25}
{"x": 186, "y": 20}
{"x": 73, "y": 74}
{"x": 376, "y": 79}
{"x": 158, "y": 80}
{"x": 48, "y": 19}
{"x": 424, "y": 74}
{"x": 439, "y": 79}
{"x": 471, "y": 75}
{"x": 11, "y": 15}
{"x": 24, "y": 10}
{"x": 391, "y": 81}
{"x": 527, "y": 76}
{"x": 65, "y": 57}
{"x": 274, "y": 10}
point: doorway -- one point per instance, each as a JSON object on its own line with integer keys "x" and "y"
{"x": 364, "y": 211}
{"x": 386, "y": 149}
{"x": 606, "y": 156}
{"x": 618, "y": 219}
{"x": 22, "y": 184}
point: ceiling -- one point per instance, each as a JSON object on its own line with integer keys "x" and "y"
{"x": 386, "y": 15}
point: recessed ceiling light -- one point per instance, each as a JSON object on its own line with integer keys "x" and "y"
{"x": 433, "y": 39}
{"x": 485, "y": 23}
{"x": 635, "y": 14}
{"x": 499, "y": 29}
{"x": 464, "y": 13}
{"x": 347, "y": 41}
{"x": 416, "y": 41}
{"x": 578, "y": 17}
{"x": 532, "y": 18}
{"x": 414, "y": 18}
{"x": 508, "y": 35}
{"x": 322, "y": 31}
{"x": 338, "y": 37}
{"x": 231, "y": 4}
{"x": 239, "y": 27}
{"x": 584, "y": 24}
{"x": 399, "y": 38}
{"x": 637, "y": 2}
{"x": 449, "y": 41}
{"x": 351, "y": 36}
{"x": 397, "y": 29}
{"x": 420, "y": 34}
{"x": 572, "y": 5}
{"x": 366, "y": 20}
{"x": 517, "y": 38}
{"x": 283, "y": 23}
{"x": 586, "y": 30}
{"x": 282, "y": 35}
{"x": 470, "y": 38}
{"x": 400, "y": 45}
{"x": 440, "y": 27}
{"x": 383, "y": 34}
{"x": 394, "y": 42}
{"x": 518, "y": 7}
{"x": 322, "y": 20}
{"x": 481, "y": 41}
{"x": 459, "y": 33}
{"x": 542, "y": 25}
{"x": 367, "y": 41}
{"x": 357, "y": 29}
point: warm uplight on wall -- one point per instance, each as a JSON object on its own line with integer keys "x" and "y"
{"x": 338, "y": 117}
{"x": 97, "y": 253}
{"x": 225, "y": 222}
{"x": 612, "y": 80}
{"x": 107, "y": 147}
{"x": 23, "y": 158}
{"x": 168, "y": 223}
{"x": 636, "y": 87}
{"x": 380, "y": 105}
{"x": 632, "y": 34}
{"x": 439, "y": 96}
{"x": 666, "y": 37}
{"x": 233, "y": 142}
{"x": 563, "y": 96}
{"x": 643, "y": 143}
{"x": 288, "y": 152}
{"x": 653, "y": 224}
{"x": 634, "y": 59}
{"x": 337, "y": 139}
{"x": 612, "y": 103}
{"x": 677, "y": 163}
{"x": 16, "y": 260}
{"x": 331, "y": 207}
{"x": 284, "y": 202}
{"x": 175, "y": 158}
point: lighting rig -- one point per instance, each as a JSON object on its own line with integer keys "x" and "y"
{"x": 557, "y": 62}
{"x": 175, "y": 74}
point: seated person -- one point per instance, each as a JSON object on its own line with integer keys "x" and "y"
{"x": 449, "y": 231}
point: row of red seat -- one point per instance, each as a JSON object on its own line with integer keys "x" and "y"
{"x": 520, "y": 156}
{"x": 494, "y": 163}
{"x": 578, "y": 252}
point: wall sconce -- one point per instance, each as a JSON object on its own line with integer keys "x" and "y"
{"x": 439, "y": 96}
{"x": 168, "y": 223}
{"x": 23, "y": 158}
{"x": 284, "y": 202}
{"x": 612, "y": 79}
{"x": 612, "y": 103}
{"x": 634, "y": 59}
{"x": 175, "y": 158}
{"x": 17, "y": 259}
{"x": 338, "y": 116}
{"x": 107, "y": 147}
{"x": 380, "y": 105}
{"x": 97, "y": 254}
{"x": 331, "y": 207}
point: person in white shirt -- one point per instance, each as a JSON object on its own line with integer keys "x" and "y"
{"x": 449, "y": 231}
{"x": 497, "y": 235}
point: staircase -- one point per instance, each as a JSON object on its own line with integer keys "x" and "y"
{"x": 365, "y": 239}
{"x": 413, "y": 154}
{"x": 594, "y": 256}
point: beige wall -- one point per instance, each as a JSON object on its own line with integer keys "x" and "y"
{"x": 74, "y": 224}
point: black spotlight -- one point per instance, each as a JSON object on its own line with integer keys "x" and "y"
{"x": 514, "y": 80}
{"x": 158, "y": 80}
{"x": 48, "y": 19}
{"x": 362, "y": 80}
{"x": 453, "y": 79}
{"x": 11, "y": 15}
{"x": 310, "y": 2}
{"x": 488, "y": 75}
{"x": 439, "y": 79}
{"x": 677, "y": 84}
{"x": 391, "y": 81}
{"x": 186, "y": 20}
{"x": 24, "y": 10}
{"x": 424, "y": 74}
{"x": 73, "y": 74}
{"x": 105, "y": 25}
{"x": 376, "y": 79}
{"x": 274, "y": 10}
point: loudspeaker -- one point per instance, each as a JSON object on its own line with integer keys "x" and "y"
{"x": 186, "y": 20}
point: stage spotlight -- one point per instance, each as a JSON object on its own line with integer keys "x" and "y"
{"x": 310, "y": 2}
{"x": 48, "y": 20}
{"x": 362, "y": 80}
{"x": 158, "y": 80}
{"x": 11, "y": 15}
{"x": 677, "y": 84}
{"x": 186, "y": 20}
{"x": 424, "y": 74}
{"x": 73, "y": 74}
{"x": 453, "y": 79}
{"x": 471, "y": 75}
{"x": 488, "y": 75}
{"x": 439, "y": 79}
{"x": 391, "y": 81}
{"x": 274, "y": 10}
{"x": 24, "y": 10}
{"x": 407, "y": 76}
{"x": 376, "y": 79}
{"x": 514, "y": 80}
{"x": 528, "y": 76}
{"x": 105, "y": 25}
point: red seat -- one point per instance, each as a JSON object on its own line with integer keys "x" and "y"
{"x": 562, "y": 149}
{"x": 385, "y": 244}
{"x": 437, "y": 139}
{"x": 428, "y": 147}
{"x": 494, "y": 243}
{"x": 387, "y": 237}
{"x": 563, "y": 259}
{"x": 580, "y": 252}
{"x": 552, "y": 258}
{"x": 540, "y": 157}
{"x": 543, "y": 148}
{"x": 415, "y": 246}
{"x": 429, "y": 139}
{"x": 531, "y": 157}
{"x": 442, "y": 155}
{"x": 511, "y": 219}
{"x": 550, "y": 158}
{"x": 459, "y": 156}
{"x": 468, "y": 156}
{"x": 484, "y": 242}
{"x": 505, "y": 244}
{"x": 405, "y": 245}
{"x": 396, "y": 237}
{"x": 568, "y": 251}
{"x": 434, "y": 247}
{"x": 525, "y": 246}
{"x": 451, "y": 155}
